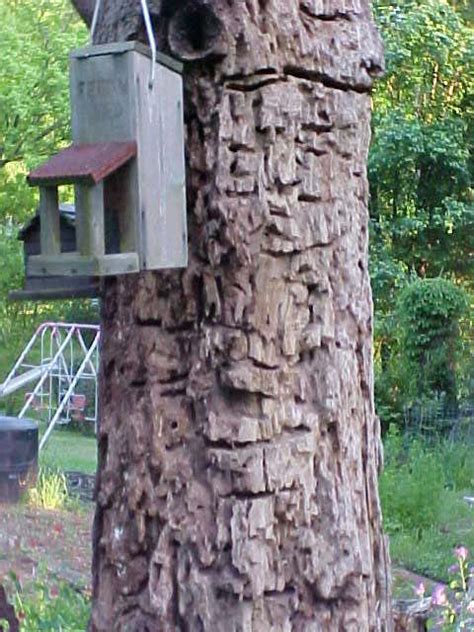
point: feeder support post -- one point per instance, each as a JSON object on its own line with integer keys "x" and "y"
{"x": 50, "y": 236}
{"x": 90, "y": 219}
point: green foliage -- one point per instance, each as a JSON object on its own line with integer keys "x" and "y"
{"x": 11, "y": 277}
{"x": 67, "y": 450}
{"x": 422, "y": 201}
{"x": 460, "y": 597}
{"x": 421, "y": 492}
{"x": 37, "y": 37}
{"x": 420, "y": 167}
{"x": 429, "y": 551}
{"x": 411, "y": 488}
{"x": 425, "y": 77}
{"x": 50, "y": 606}
{"x": 422, "y": 347}
{"x": 454, "y": 604}
{"x": 50, "y": 491}
{"x": 429, "y": 312}
{"x": 458, "y": 466}
{"x": 18, "y": 320}
{"x": 34, "y": 109}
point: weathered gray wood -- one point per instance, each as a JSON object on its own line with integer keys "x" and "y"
{"x": 90, "y": 222}
{"x": 117, "y": 48}
{"x": 74, "y": 264}
{"x": 52, "y": 293}
{"x": 111, "y": 100}
{"x": 50, "y": 232}
{"x": 412, "y": 615}
{"x": 112, "y": 265}
{"x": 160, "y": 164}
{"x": 120, "y": 201}
{"x": 40, "y": 288}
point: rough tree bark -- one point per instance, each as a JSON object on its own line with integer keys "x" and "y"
{"x": 239, "y": 447}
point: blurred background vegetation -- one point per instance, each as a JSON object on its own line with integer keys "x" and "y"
{"x": 422, "y": 207}
{"x": 422, "y": 242}
{"x": 36, "y": 38}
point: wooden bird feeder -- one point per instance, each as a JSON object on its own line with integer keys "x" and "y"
{"x": 54, "y": 287}
{"x": 126, "y": 165}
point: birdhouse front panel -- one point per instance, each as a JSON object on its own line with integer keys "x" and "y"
{"x": 112, "y": 100}
{"x": 54, "y": 287}
{"x": 89, "y": 167}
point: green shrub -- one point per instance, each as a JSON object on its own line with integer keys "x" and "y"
{"x": 51, "y": 606}
{"x": 430, "y": 311}
{"x": 423, "y": 349}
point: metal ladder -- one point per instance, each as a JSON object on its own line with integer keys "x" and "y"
{"x": 61, "y": 359}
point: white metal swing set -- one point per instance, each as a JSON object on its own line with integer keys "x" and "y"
{"x": 60, "y": 367}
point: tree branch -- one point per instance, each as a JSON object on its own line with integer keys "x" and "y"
{"x": 85, "y": 8}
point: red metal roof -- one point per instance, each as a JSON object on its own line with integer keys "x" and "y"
{"x": 83, "y": 163}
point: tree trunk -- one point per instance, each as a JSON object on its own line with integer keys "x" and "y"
{"x": 239, "y": 448}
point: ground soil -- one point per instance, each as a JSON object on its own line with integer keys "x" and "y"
{"x": 59, "y": 542}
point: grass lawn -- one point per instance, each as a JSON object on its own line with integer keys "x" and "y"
{"x": 429, "y": 551}
{"x": 69, "y": 450}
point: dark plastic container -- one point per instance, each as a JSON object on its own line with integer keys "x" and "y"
{"x": 18, "y": 457}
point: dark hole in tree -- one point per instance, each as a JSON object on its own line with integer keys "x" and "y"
{"x": 194, "y": 32}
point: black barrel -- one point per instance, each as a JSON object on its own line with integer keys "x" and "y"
{"x": 18, "y": 456}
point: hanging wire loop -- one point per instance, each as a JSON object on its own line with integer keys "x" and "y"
{"x": 151, "y": 40}
{"x": 95, "y": 17}
{"x": 149, "y": 33}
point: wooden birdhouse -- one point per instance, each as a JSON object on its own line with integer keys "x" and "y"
{"x": 126, "y": 164}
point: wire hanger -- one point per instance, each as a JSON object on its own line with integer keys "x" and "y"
{"x": 149, "y": 32}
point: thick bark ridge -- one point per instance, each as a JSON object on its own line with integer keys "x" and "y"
{"x": 238, "y": 442}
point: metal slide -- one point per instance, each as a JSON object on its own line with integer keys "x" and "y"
{"x": 60, "y": 365}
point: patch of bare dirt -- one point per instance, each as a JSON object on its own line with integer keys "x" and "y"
{"x": 57, "y": 541}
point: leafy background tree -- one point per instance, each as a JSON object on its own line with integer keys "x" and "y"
{"x": 422, "y": 234}
{"x": 36, "y": 38}
{"x": 34, "y": 95}
{"x": 422, "y": 212}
